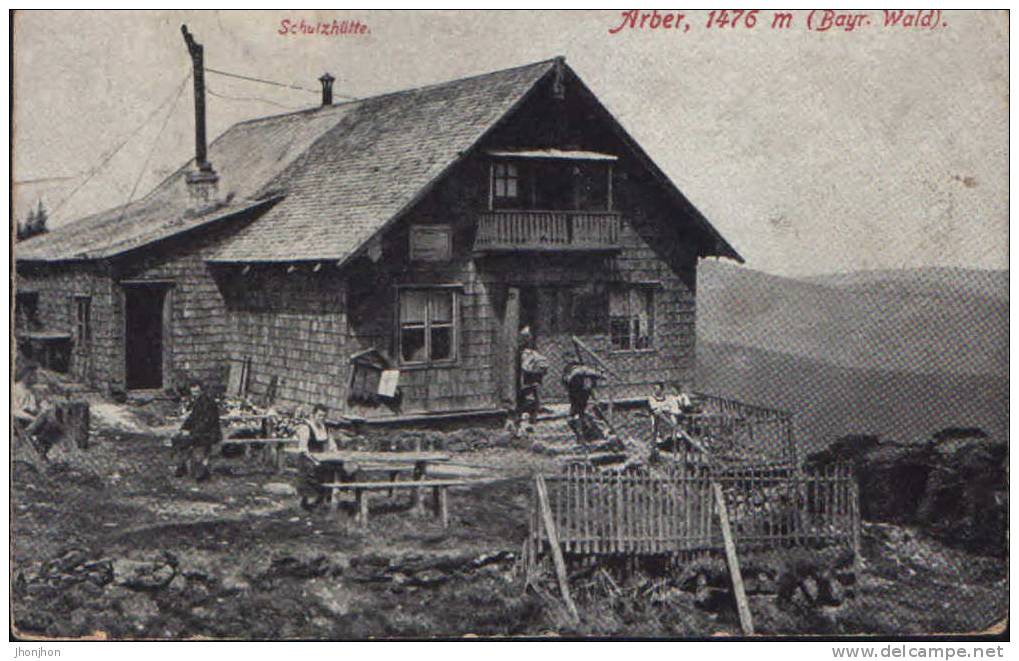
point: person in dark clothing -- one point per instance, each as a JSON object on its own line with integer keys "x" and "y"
{"x": 580, "y": 381}
{"x": 199, "y": 433}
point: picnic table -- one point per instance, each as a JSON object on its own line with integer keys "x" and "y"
{"x": 272, "y": 446}
{"x": 351, "y": 472}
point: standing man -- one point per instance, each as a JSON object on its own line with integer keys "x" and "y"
{"x": 533, "y": 367}
{"x": 199, "y": 433}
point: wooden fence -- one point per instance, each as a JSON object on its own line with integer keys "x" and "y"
{"x": 738, "y": 431}
{"x": 639, "y": 513}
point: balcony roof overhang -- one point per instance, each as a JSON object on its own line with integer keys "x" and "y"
{"x": 553, "y": 154}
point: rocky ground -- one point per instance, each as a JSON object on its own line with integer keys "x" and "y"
{"x": 106, "y": 542}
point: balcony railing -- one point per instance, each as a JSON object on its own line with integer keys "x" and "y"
{"x": 513, "y": 230}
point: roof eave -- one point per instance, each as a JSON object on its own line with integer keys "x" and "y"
{"x": 120, "y": 253}
{"x": 722, "y": 248}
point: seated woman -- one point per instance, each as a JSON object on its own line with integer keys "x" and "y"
{"x": 35, "y": 419}
{"x": 314, "y": 438}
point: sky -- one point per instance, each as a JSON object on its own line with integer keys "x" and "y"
{"x": 811, "y": 151}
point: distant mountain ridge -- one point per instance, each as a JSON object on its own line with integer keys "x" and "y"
{"x": 921, "y": 320}
{"x": 896, "y": 353}
{"x": 831, "y": 401}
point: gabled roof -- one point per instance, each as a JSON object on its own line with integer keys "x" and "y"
{"x": 247, "y": 156}
{"x": 331, "y": 178}
{"x": 378, "y": 160}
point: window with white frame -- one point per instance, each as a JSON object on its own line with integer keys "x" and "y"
{"x": 505, "y": 185}
{"x": 428, "y": 325}
{"x": 632, "y": 317}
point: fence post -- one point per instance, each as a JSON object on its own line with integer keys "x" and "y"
{"x": 855, "y": 511}
{"x": 746, "y": 621}
{"x": 557, "y": 554}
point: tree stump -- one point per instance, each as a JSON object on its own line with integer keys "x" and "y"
{"x": 74, "y": 416}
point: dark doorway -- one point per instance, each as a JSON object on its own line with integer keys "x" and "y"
{"x": 143, "y": 311}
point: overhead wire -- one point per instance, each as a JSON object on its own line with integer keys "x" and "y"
{"x": 93, "y": 171}
{"x": 109, "y": 156}
{"x": 273, "y": 82}
{"x": 152, "y": 149}
{"x": 250, "y": 98}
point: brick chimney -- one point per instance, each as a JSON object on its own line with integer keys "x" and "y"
{"x": 202, "y": 181}
{"x": 327, "y": 89}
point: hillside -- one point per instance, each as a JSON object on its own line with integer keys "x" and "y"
{"x": 922, "y": 321}
{"x": 899, "y": 353}
{"x": 831, "y": 401}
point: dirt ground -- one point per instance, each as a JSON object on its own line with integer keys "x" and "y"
{"x": 106, "y": 542}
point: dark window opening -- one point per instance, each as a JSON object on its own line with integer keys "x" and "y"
{"x": 26, "y": 305}
{"x": 83, "y": 319}
{"x": 552, "y": 185}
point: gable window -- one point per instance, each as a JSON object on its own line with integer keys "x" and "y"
{"x": 505, "y": 185}
{"x": 551, "y": 180}
{"x": 632, "y": 318}
{"x": 428, "y": 325}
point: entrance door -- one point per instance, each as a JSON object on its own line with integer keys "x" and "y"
{"x": 546, "y": 309}
{"x": 143, "y": 311}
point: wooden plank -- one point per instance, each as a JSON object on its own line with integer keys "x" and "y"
{"x": 745, "y": 620}
{"x": 557, "y": 556}
{"x": 617, "y": 514}
{"x": 361, "y": 496}
{"x": 380, "y": 457}
{"x": 260, "y": 441}
{"x": 410, "y": 484}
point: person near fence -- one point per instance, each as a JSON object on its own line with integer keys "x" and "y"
{"x": 313, "y": 438}
{"x": 199, "y": 433}
{"x": 35, "y": 418}
{"x": 668, "y": 412}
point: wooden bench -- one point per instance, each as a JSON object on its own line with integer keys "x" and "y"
{"x": 362, "y": 490}
{"x": 277, "y": 444}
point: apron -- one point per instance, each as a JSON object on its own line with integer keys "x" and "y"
{"x": 313, "y": 475}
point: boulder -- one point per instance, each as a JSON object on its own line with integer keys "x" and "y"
{"x": 142, "y": 574}
{"x": 279, "y": 489}
{"x": 954, "y": 484}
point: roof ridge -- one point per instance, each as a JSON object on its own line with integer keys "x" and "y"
{"x": 346, "y": 104}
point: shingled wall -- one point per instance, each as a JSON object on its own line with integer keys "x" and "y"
{"x": 57, "y": 285}
{"x": 291, "y": 324}
{"x": 198, "y": 325}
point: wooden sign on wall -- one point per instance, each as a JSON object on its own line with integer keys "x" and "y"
{"x": 431, "y": 243}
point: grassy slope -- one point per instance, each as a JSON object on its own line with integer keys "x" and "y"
{"x": 831, "y": 401}
{"x": 914, "y": 321}
{"x": 897, "y": 353}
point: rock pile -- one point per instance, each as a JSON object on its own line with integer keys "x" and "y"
{"x": 954, "y": 484}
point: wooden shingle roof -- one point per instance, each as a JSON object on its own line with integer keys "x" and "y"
{"x": 323, "y": 181}
{"x": 374, "y": 163}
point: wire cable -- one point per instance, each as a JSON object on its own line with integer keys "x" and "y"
{"x": 152, "y": 149}
{"x": 273, "y": 82}
{"x": 109, "y": 156}
{"x": 251, "y": 98}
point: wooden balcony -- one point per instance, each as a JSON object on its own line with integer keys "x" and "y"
{"x": 547, "y": 231}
